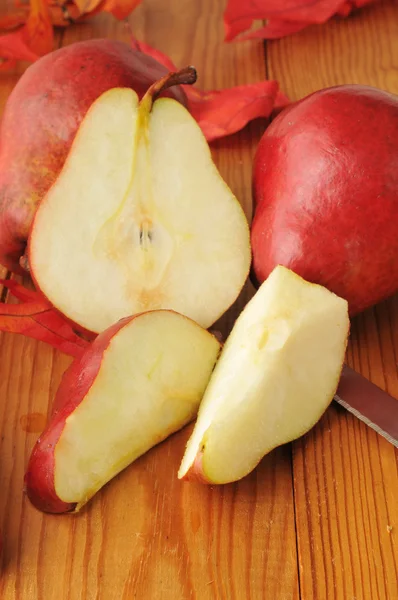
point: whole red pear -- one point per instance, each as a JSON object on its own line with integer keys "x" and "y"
{"x": 326, "y": 193}
{"x": 41, "y": 119}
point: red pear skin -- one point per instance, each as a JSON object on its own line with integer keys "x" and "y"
{"x": 326, "y": 193}
{"x": 75, "y": 384}
{"x": 41, "y": 119}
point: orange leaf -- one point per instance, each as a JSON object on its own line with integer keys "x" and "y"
{"x": 12, "y": 21}
{"x": 33, "y": 36}
{"x": 86, "y": 6}
{"x": 119, "y": 8}
{"x": 35, "y": 317}
{"x": 32, "y": 40}
{"x": 283, "y": 17}
{"x": 222, "y": 112}
{"x": 39, "y": 28}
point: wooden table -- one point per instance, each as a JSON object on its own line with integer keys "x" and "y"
{"x": 318, "y": 519}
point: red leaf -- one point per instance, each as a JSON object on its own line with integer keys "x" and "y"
{"x": 33, "y": 35}
{"x": 35, "y": 317}
{"x": 283, "y": 18}
{"x": 12, "y": 21}
{"x": 20, "y": 291}
{"x": 32, "y": 40}
{"x": 222, "y": 112}
{"x": 86, "y": 6}
{"x": 119, "y": 8}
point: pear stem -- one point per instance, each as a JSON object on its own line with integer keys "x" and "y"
{"x": 186, "y": 76}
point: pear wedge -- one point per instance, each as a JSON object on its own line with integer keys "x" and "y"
{"x": 276, "y": 375}
{"x": 137, "y": 383}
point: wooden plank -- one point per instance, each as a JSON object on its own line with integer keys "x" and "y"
{"x": 146, "y": 535}
{"x": 345, "y": 475}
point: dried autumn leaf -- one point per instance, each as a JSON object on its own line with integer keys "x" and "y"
{"x": 12, "y": 21}
{"x": 39, "y": 30}
{"x": 32, "y": 40}
{"x": 222, "y": 112}
{"x": 20, "y": 292}
{"x": 283, "y": 17}
{"x": 30, "y": 34}
{"x": 120, "y": 8}
{"x": 35, "y": 317}
{"x": 86, "y": 6}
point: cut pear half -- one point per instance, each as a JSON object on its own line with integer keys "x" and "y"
{"x": 139, "y": 219}
{"x": 276, "y": 375}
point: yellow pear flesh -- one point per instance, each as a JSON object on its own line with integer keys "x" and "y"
{"x": 276, "y": 375}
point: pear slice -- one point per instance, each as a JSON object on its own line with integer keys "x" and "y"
{"x": 277, "y": 374}
{"x": 139, "y": 218}
{"x": 138, "y": 382}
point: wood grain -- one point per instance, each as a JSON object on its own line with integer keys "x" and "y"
{"x": 150, "y": 537}
{"x": 345, "y": 475}
{"x": 146, "y": 535}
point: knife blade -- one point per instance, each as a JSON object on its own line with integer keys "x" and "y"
{"x": 369, "y": 403}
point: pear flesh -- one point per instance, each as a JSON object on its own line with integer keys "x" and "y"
{"x": 277, "y": 374}
{"x": 139, "y": 219}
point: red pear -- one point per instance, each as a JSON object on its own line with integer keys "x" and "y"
{"x": 326, "y": 193}
{"x": 42, "y": 116}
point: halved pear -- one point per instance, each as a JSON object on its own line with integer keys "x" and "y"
{"x": 139, "y": 218}
{"x": 277, "y": 374}
{"x": 138, "y": 382}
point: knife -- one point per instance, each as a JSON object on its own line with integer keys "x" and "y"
{"x": 369, "y": 403}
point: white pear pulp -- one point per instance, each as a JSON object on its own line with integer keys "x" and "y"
{"x": 139, "y": 219}
{"x": 276, "y": 375}
{"x": 151, "y": 380}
